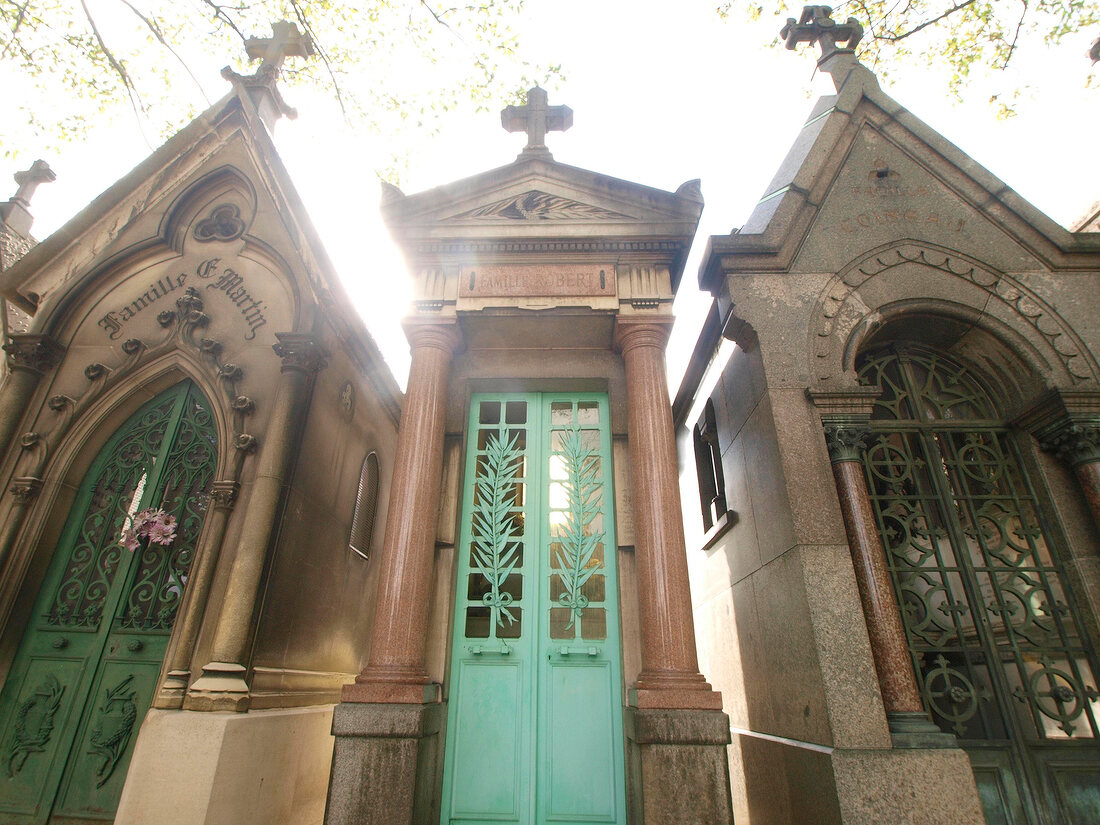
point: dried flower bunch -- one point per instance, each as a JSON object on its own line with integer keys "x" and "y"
{"x": 155, "y": 525}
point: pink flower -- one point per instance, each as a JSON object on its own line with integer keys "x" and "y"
{"x": 163, "y": 529}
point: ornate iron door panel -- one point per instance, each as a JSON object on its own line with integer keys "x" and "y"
{"x": 87, "y": 667}
{"x": 1000, "y": 651}
{"x": 534, "y": 731}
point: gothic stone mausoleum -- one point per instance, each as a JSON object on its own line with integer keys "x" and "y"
{"x": 849, "y": 572}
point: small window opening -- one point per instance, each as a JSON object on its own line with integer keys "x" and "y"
{"x": 366, "y": 505}
{"x": 708, "y": 467}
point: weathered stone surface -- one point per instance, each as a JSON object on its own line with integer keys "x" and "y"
{"x": 677, "y": 769}
{"x": 386, "y": 764}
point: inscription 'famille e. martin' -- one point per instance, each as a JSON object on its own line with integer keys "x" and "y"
{"x": 222, "y": 279}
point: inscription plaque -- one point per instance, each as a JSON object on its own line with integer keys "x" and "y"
{"x": 536, "y": 281}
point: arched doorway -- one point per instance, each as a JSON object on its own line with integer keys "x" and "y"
{"x": 87, "y": 666}
{"x": 1001, "y": 651}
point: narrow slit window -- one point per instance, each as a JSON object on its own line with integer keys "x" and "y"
{"x": 708, "y": 467}
{"x": 366, "y": 506}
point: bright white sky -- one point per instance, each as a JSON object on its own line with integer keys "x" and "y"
{"x": 661, "y": 93}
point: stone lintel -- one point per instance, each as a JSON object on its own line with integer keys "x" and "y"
{"x": 1058, "y": 408}
{"x": 849, "y": 405}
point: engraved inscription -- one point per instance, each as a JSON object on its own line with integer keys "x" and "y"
{"x": 898, "y": 217}
{"x": 543, "y": 281}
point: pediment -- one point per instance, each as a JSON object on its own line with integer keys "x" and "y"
{"x": 537, "y": 197}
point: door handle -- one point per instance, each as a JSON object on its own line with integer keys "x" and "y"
{"x": 477, "y": 650}
{"x": 590, "y": 650}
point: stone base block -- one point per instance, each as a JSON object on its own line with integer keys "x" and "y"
{"x": 677, "y": 768}
{"x": 260, "y": 768}
{"x": 386, "y": 765}
{"x": 918, "y": 787}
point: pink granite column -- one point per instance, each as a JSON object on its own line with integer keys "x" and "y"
{"x": 670, "y": 676}
{"x": 1077, "y": 442}
{"x": 900, "y": 693}
{"x": 395, "y": 670}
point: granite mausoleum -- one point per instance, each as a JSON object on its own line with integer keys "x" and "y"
{"x": 848, "y": 573}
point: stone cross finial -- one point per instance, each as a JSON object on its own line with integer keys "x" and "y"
{"x": 536, "y": 119}
{"x": 285, "y": 41}
{"x": 816, "y": 25}
{"x": 29, "y": 179}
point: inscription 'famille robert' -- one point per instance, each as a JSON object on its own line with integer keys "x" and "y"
{"x": 222, "y": 279}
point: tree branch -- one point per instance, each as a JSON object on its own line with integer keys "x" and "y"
{"x": 1015, "y": 36}
{"x": 308, "y": 29}
{"x": 894, "y": 38}
{"x": 116, "y": 65}
{"x": 159, "y": 35}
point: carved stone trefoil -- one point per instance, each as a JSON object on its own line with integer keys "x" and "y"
{"x": 223, "y": 224}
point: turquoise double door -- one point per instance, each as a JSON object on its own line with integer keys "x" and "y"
{"x": 534, "y": 724}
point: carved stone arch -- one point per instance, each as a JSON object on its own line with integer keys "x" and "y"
{"x": 1013, "y": 369}
{"x": 218, "y": 207}
{"x": 75, "y": 452}
{"x": 944, "y": 283}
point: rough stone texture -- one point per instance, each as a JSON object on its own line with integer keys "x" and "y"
{"x": 677, "y": 769}
{"x": 386, "y": 764}
{"x": 267, "y": 767}
{"x": 917, "y": 787}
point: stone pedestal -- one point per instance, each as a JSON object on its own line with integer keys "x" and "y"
{"x": 386, "y": 764}
{"x": 677, "y": 771}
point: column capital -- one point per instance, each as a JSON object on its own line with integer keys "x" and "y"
{"x": 846, "y": 440}
{"x": 223, "y": 494}
{"x": 26, "y": 489}
{"x": 633, "y": 332}
{"x": 1066, "y": 423}
{"x": 300, "y": 352}
{"x": 433, "y": 333}
{"x": 33, "y": 353}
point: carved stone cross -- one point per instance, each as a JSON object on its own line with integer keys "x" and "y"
{"x": 285, "y": 41}
{"x": 816, "y": 25}
{"x": 29, "y": 179}
{"x": 536, "y": 119}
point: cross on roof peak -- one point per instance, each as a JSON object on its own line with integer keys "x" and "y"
{"x": 536, "y": 118}
{"x": 29, "y": 179}
{"x": 816, "y": 25}
{"x": 285, "y": 41}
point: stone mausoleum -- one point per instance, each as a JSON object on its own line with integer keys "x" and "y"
{"x": 848, "y": 573}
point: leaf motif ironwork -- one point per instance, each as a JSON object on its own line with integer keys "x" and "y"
{"x": 113, "y": 727}
{"x": 495, "y": 530}
{"x": 34, "y": 723}
{"x": 575, "y": 558}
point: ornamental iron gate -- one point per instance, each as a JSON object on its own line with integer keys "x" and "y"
{"x": 534, "y": 727}
{"x": 1000, "y": 650}
{"x": 86, "y": 670}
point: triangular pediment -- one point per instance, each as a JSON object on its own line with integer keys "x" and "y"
{"x": 540, "y": 197}
{"x": 863, "y": 172}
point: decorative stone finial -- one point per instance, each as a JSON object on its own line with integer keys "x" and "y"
{"x": 29, "y": 179}
{"x": 816, "y": 25}
{"x": 286, "y": 41}
{"x": 536, "y": 118}
{"x": 15, "y": 214}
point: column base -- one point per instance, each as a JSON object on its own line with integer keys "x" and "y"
{"x": 915, "y": 729}
{"x": 387, "y": 764}
{"x": 222, "y": 686}
{"x": 677, "y": 767}
{"x": 173, "y": 690}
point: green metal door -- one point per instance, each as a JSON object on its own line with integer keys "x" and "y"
{"x": 534, "y": 725}
{"x": 87, "y": 667}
